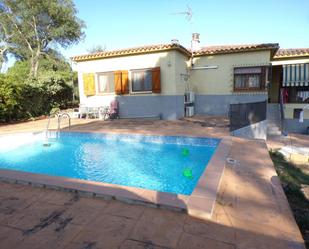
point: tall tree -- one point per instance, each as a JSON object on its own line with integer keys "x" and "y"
{"x": 96, "y": 49}
{"x": 5, "y": 35}
{"x": 37, "y": 25}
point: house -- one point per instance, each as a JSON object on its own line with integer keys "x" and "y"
{"x": 151, "y": 81}
{"x": 290, "y": 86}
{"x": 146, "y": 80}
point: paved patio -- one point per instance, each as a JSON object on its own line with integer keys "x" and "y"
{"x": 251, "y": 209}
{"x": 277, "y": 142}
{"x": 198, "y": 126}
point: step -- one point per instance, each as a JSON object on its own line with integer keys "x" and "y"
{"x": 274, "y": 121}
{"x": 273, "y": 125}
{"x": 273, "y": 132}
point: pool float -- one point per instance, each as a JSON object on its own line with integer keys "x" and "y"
{"x": 185, "y": 152}
{"x": 187, "y": 173}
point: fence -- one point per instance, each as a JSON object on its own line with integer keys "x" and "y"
{"x": 245, "y": 114}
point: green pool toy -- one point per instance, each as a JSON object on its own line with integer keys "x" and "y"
{"x": 185, "y": 152}
{"x": 187, "y": 173}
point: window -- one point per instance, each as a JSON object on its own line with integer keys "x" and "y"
{"x": 141, "y": 80}
{"x": 296, "y": 94}
{"x": 106, "y": 82}
{"x": 250, "y": 78}
{"x": 296, "y": 113}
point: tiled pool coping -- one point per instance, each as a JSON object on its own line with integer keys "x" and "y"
{"x": 199, "y": 204}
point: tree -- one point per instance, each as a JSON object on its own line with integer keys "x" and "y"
{"x": 96, "y": 49}
{"x": 51, "y": 65}
{"x": 37, "y": 25}
{"x": 5, "y": 35}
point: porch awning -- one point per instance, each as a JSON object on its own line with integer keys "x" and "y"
{"x": 296, "y": 74}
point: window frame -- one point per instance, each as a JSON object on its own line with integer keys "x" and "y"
{"x": 98, "y": 74}
{"x": 131, "y": 80}
{"x": 262, "y": 85}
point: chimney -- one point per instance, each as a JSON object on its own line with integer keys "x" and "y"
{"x": 195, "y": 43}
{"x": 175, "y": 41}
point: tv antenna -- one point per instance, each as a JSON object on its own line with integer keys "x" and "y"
{"x": 187, "y": 13}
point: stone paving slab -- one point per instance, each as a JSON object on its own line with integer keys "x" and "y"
{"x": 251, "y": 211}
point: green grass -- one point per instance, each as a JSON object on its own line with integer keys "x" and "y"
{"x": 292, "y": 178}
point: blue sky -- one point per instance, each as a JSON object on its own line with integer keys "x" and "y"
{"x": 122, "y": 24}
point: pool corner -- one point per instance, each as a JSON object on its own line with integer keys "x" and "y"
{"x": 202, "y": 201}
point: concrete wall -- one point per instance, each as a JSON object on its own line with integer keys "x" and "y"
{"x": 254, "y": 131}
{"x": 219, "y": 104}
{"x": 180, "y": 69}
{"x": 275, "y": 84}
{"x": 172, "y": 65}
{"x": 220, "y": 81}
{"x": 168, "y": 107}
{"x": 289, "y": 110}
{"x": 293, "y": 125}
{"x": 213, "y": 87}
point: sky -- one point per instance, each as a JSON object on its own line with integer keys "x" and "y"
{"x": 130, "y": 23}
{"x": 117, "y": 24}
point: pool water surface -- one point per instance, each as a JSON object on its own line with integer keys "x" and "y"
{"x": 161, "y": 163}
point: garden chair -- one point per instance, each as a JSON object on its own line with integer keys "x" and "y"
{"x": 113, "y": 111}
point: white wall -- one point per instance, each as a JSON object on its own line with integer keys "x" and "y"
{"x": 172, "y": 64}
{"x": 220, "y": 81}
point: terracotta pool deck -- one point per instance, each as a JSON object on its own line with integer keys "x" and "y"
{"x": 251, "y": 210}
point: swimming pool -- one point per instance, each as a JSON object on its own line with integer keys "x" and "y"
{"x": 162, "y": 163}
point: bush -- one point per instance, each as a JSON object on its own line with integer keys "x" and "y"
{"x": 32, "y": 98}
{"x": 10, "y": 97}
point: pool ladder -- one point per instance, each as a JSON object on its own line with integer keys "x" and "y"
{"x": 59, "y": 117}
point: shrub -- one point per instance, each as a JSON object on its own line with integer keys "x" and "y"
{"x": 9, "y": 101}
{"x": 32, "y": 98}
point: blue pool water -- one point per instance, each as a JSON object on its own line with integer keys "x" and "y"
{"x": 150, "y": 162}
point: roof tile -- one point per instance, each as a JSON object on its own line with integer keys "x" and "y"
{"x": 209, "y": 50}
{"x": 291, "y": 52}
{"x": 163, "y": 47}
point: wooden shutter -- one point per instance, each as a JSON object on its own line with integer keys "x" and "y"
{"x": 156, "y": 80}
{"x": 89, "y": 84}
{"x": 117, "y": 81}
{"x": 125, "y": 82}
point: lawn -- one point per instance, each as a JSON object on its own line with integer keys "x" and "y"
{"x": 292, "y": 177}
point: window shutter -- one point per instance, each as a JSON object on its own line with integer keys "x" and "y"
{"x": 156, "y": 80}
{"x": 89, "y": 84}
{"x": 125, "y": 82}
{"x": 117, "y": 81}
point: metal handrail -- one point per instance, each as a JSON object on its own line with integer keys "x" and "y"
{"x": 59, "y": 116}
{"x": 59, "y": 119}
{"x": 48, "y": 123}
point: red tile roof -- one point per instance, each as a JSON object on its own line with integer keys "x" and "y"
{"x": 226, "y": 49}
{"x": 132, "y": 51}
{"x": 291, "y": 52}
{"x": 209, "y": 50}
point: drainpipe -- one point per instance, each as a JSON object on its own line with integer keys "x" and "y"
{"x": 283, "y": 132}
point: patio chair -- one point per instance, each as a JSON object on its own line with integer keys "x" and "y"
{"x": 87, "y": 112}
{"x": 113, "y": 111}
{"x": 81, "y": 112}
